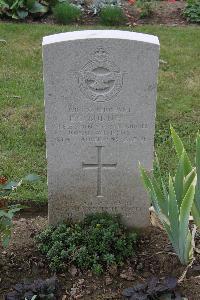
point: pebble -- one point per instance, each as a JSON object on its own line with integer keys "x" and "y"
{"x": 73, "y": 270}
{"x": 108, "y": 280}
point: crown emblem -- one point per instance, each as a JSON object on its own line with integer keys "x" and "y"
{"x": 100, "y": 54}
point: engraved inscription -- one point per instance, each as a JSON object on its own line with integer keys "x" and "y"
{"x": 101, "y": 123}
{"x": 100, "y": 79}
{"x": 99, "y": 165}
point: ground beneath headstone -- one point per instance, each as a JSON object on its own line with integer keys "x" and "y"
{"x": 154, "y": 256}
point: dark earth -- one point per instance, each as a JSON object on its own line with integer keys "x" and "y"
{"x": 154, "y": 257}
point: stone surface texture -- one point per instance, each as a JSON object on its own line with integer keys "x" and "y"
{"x": 100, "y": 103}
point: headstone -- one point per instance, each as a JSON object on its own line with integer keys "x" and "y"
{"x": 100, "y": 102}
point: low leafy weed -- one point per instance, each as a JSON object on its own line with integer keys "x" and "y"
{"x": 99, "y": 241}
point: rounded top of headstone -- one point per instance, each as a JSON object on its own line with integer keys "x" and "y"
{"x": 100, "y": 34}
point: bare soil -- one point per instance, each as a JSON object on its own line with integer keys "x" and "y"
{"x": 154, "y": 257}
{"x": 164, "y": 12}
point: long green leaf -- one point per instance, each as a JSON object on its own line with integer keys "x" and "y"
{"x": 162, "y": 202}
{"x": 10, "y": 185}
{"x": 179, "y": 180}
{"x": 175, "y": 244}
{"x": 184, "y": 216}
{"x": 15, "y": 4}
{"x": 162, "y": 184}
{"x": 13, "y": 209}
{"x": 189, "y": 251}
{"x": 196, "y": 208}
{"x": 148, "y": 184}
{"x": 198, "y": 162}
{"x": 149, "y": 187}
{"x": 173, "y": 213}
{"x": 179, "y": 150}
{"x": 188, "y": 180}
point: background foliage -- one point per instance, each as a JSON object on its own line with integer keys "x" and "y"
{"x": 192, "y": 11}
{"x": 20, "y": 9}
{"x": 66, "y": 12}
{"x": 112, "y": 15}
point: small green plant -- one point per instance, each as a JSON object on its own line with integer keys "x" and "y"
{"x": 192, "y": 11}
{"x": 20, "y": 9}
{"x": 65, "y": 13}
{"x": 100, "y": 240}
{"x": 146, "y": 8}
{"x": 112, "y": 15}
{"x": 6, "y": 222}
{"x": 173, "y": 204}
{"x": 7, "y": 213}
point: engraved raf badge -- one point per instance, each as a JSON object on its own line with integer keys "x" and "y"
{"x": 100, "y": 79}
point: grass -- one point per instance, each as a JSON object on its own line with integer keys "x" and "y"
{"x": 22, "y": 146}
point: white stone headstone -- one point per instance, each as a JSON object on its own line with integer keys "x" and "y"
{"x": 100, "y": 103}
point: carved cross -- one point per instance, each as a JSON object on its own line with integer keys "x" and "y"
{"x": 99, "y": 166}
